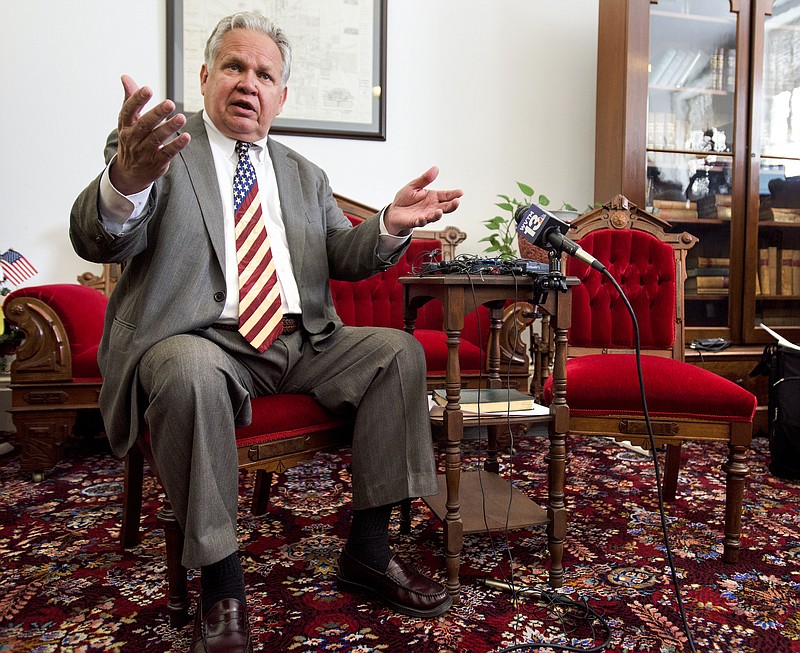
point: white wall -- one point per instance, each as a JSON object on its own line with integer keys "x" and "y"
{"x": 491, "y": 92}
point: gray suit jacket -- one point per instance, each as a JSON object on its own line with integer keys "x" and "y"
{"x": 174, "y": 282}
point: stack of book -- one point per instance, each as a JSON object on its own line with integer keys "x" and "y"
{"x": 778, "y": 271}
{"x": 675, "y": 210}
{"x": 708, "y": 275}
{"x": 677, "y": 68}
{"x": 714, "y": 207}
{"x": 486, "y": 401}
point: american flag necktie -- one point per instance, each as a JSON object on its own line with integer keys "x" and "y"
{"x": 259, "y": 292}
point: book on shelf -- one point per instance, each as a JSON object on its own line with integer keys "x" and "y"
{"x": 778, "y": 214}
{"x": 778, "y": 271}
{"x": 785, "y": 272}
{"x": 692, "y": 67}
{"x": 715, "y": 199}
{"x": 674, "y": 204}
{"x": 796, "y": 271}
{"x": 700, "y": 285}
{"x": 730, "y": 67}
{"x": 710, "y": 262}
{"x": 772, "y": 269}
{"x": 716, "y": 207}
{"x": 717, "y": 68}
{"x": 677, "y": 66}
{"x": 492, "y": 400}
{"x": 716, "y": 213}
{"x": 763, "y": 271}
{"x": 676, "y": 214}
{"x": 660, "y": 69}
{"x": 708, "y": 272}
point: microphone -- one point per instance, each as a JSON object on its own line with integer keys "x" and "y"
{"x": 543, "y": 229}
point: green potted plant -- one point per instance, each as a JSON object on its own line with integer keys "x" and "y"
{"x": 503, "y": 237}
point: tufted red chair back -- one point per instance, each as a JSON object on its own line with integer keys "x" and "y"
{"x": 645, "y": 268}
{"x": 378, "y": 301}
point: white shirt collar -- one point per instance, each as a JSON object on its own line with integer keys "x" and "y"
{"x": 228, "y": 145}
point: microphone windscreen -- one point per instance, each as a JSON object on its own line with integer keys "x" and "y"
{"x": 533, "y": 223}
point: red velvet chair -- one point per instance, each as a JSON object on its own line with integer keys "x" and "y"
{"x": 685, "y": 402}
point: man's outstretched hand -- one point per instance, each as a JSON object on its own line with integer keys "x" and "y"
{"x": 147, "y": 142}
{"x": 415, "y": 205}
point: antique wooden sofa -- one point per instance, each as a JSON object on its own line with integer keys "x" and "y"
{"x": 55, "y": 380}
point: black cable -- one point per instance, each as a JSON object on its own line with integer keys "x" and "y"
{"x": 470, "y": 265}
{"x": 561, "y": 600}
{"x": 664, "y": 528}
{"x": 481, "y": 463}
{"x": 550, "y": 599}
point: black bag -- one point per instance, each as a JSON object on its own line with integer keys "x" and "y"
{"x": 782, "y": 365}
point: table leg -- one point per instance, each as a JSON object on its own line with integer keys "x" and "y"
{"x": 454, "y": 431}
{"x": 556, "y": 462}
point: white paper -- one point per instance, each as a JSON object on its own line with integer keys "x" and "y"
{"x": 781, "y": 340}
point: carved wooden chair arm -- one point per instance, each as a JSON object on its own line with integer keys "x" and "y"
{"x": 44, "y": 354}
{"x": 517, "y": 317}
{"x": 542, "y": 350}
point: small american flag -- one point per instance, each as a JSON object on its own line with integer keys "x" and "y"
{"x": 16, "y": 267}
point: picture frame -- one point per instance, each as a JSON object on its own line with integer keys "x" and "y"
{"x": 337, "y": 87}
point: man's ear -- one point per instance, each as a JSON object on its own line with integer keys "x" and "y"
{"x": 283, "y": 100}
{"x": 203, "y": 78}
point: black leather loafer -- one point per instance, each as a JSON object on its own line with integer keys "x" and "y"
{"x": 224, "y": 630}
{"x": 402, "y": 587}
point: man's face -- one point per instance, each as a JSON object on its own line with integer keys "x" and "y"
{"x": 242, "y": 91}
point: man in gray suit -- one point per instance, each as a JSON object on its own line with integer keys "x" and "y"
{"x": 171, "y": 355}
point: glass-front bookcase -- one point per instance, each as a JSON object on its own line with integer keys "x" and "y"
{"x": 775, "y": 173}
{"x": 698, "y": 121}
{"x": 691, "y": 143}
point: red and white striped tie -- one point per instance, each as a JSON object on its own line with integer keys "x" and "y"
{"x": 259, "y": 292}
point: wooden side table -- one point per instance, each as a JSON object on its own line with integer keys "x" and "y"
{"x": 459, "y": 295}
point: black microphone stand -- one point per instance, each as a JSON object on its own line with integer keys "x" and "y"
{"x": 554, "y": 279}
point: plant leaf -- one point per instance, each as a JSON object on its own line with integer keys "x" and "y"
{"x": 526, "y": 190}
{"x": 495, "y": 223}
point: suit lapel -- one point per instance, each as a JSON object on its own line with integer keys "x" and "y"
{"x": 292, "y": 207}
{"x": 203, "y": 177}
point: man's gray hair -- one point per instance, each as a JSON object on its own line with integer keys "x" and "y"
{"x": 258, "y": 23}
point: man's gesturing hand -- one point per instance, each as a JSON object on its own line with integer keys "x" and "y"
{"x": 415, "y": 205}
{"x": 145, "y": 149}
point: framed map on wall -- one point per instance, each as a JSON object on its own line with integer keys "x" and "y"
{"x": 337, "y": 85}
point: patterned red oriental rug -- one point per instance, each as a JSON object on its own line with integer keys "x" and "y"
{"x": 66, "y": 586}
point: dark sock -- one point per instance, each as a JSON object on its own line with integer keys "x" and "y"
{"x": 369, "y": 537}
{"x": 222, "y": 580}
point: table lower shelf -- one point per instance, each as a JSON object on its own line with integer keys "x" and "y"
{"x": 485, "y": 501}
